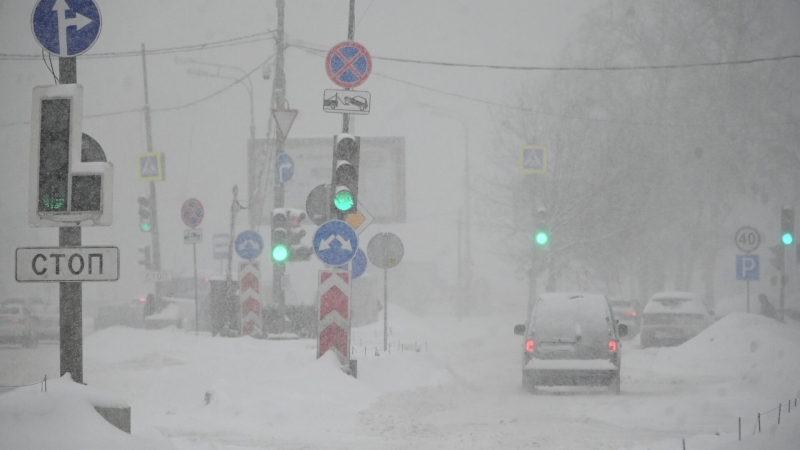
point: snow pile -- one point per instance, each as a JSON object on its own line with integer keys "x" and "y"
{"x": 756, "y": 351}
{"x": 248, "y": 392}
{"x": 64, "y": 418}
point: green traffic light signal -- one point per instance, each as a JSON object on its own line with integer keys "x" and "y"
{"x": 787, "y": 238}
{"x": 145, "y": 226}
{"x": 541, "y": 237}
{"x": 280, "y": 253}
{"x": 343, "y": 200}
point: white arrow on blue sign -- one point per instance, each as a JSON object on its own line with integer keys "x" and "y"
{"x": 284, "y": 167}
{"x": 335, "y": 243}
{"x": 62, "y": 35}
{"x": 248, "y": 245}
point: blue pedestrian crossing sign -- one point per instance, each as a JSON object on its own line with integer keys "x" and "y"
{"x": 335, "y": 243}
{"x": 151, "y": 166}
{"x": 533, "y": 159}
{"x": 747, "y": 267}
{"x": 66, "y": 28}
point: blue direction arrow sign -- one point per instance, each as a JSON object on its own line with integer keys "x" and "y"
{"x": 284, "y": 168}
{"x": 335, "y": 243}
{"x": 248, "y": 245}
{"x": 66, "y": 27}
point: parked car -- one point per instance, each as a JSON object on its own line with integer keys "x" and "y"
{"x": 16, "y": 325}
{"x": 627, "y": 313}
{"x": 671, "y": 318}
{"x": 571, "y": 339}
{"x": 359, "y": 101}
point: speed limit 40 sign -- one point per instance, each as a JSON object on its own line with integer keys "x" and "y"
{"x": 748, "y": 239}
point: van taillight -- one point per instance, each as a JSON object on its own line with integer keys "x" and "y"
{"x": 631, "y": 313}
{"x": 612, "y": 346}
{"x": 15, "y": 321}
{"x": 529, "y": 346}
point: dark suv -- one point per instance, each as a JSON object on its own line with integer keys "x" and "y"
{"x": 570, "y": 340}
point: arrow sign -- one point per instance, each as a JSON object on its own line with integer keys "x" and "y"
{"x": 334, "y": 313}
{"x": 335, "y": 243}
{"x": 66, "y": 36}
{"x": 250, "y": 297}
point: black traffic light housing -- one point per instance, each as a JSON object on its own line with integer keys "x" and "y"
{"x": 778, "y": 256}
{"x": 287, "y": 234}
{"x": 787, "y": 225}
{"x": 146, "y": 260}
{"x": 344, "y": 182}
{"x": 145, "y": 214}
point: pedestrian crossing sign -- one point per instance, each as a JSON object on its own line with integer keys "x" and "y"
{"x": 151, "y": 166}
{"x": 533, "y": 159}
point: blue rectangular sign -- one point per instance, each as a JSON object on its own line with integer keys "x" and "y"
{"x": 747, "y": 267}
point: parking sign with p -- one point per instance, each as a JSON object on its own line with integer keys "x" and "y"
{"x": 747, "y": 267}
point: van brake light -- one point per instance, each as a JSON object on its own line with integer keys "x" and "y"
{"x": 15, "y": 320}
{"x": 612, "y": 346}
{"x": 529, "y": 346}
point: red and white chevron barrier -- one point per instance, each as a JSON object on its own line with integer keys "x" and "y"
{"x": 334, "y": 313}
{"x": 250, "y": 297}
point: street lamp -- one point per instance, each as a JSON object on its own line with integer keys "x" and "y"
{"x": 218, "y": 74}
{"x": 466, "y": 274}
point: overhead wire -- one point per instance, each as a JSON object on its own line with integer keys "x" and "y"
{"x": 317, "y": 52}
{"x": 565, "y": 68}
{"x": 164, "y": 109}
{"x": 248, "y": 39}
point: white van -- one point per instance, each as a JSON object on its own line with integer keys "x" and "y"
{"x": 571, "y": 339}
{"x": 671, "y": 318}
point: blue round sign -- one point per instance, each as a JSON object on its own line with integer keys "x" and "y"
{"x": 284, "y": 168}
{"x": 248, "y": 245}
{"x": 66, "y": 27}
{"x": 335, "y": 243}
{"x": 359, "y": 264}
{"x": 348, "y": 64}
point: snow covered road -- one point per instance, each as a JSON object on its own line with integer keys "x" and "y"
{"x": 462, "y": 392}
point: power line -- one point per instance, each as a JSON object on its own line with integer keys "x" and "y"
{"x": 538, "y": 111}
{"x": 565, "y": 69}
{"x": 249, "y": 39}
{"x": 164, "y": 109}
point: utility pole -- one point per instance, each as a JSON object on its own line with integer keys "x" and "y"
{"x": 351, "y": 31}
{"x": 153, "y": 206}
{"x": 279, "y": 101}
{"x": 70, "y": 293}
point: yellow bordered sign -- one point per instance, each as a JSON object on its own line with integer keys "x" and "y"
{"x": 151, "y": 166}
{"x": 533, "y": 159}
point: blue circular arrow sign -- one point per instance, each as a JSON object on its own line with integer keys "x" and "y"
{"x": 335, "y": 243}
{"x": 284, "y": 167}
{"x": 248, "y": 245}
{"x": 66, "y": 28}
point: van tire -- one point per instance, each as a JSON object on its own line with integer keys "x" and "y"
{"x": 528, "y": 383}
{"x": 615, "y": 386}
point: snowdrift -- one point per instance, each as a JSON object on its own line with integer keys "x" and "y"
{"x": 63, "y": 417}
{"x": 755, "y": 351}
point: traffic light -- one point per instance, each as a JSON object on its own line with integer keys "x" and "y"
{"x": 145, "y": 214}
{"x": 146, "y": 260}
{"x": 787, "y": 225}
{"x": 54, "y": 149}
{"x": 346, "y": 150}
{"x": 777, "y": 256}
{"x": 287, "y": 234}
{"x": 540, "y": 236}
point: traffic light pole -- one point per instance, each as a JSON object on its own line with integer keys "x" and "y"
{"x": 279, "y": 92}
{"x": 70, "y": 293}
{"x": 351, "y": 31}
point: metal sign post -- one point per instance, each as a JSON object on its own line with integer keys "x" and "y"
{"x": 385, "y": 250}
{"x": 50, "y": 185}
{"x": 192, "y": 214}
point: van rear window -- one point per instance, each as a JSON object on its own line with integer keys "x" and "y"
{"x": 9, "y": 309}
